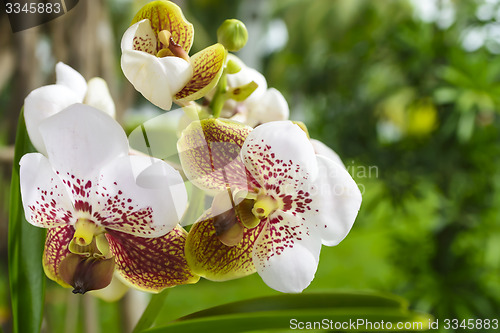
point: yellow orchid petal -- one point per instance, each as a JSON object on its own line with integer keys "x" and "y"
{"x": 208, "y": 65}
{"x": 209, "y": 152}
{"x": 209, "y": 258}
{"x": 166, "y": 15}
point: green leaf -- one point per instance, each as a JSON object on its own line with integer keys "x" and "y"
{"x": 153, "y": 309}
{"x": 284, "y": 311}
{"x": 465, "y": 127}
{"x": 26, "y": 276}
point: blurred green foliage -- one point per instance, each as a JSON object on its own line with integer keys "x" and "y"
{"x": 357, "y": 70}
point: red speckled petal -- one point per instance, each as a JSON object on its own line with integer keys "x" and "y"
{"x": 139, "y": 195}
{"x": 209, "y": 258}
{"x": 166, "y": 15}
{"x": 209, "y": 153}
{"x": 46, "y": 202}
{"x": 140, "y": 37}
{"x": 136, "y": 195}
{"x": 207, "y": 69}
{"x": 286, "y": 253}
{"x": 280, "y": 157}
{"x": 56, "y": 249}
{"x": 152, "y": 264}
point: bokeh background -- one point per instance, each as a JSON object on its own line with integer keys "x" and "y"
{"x": 406, "y": 91}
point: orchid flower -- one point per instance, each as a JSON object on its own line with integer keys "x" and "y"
{"x": 104, "y": 210}
{"x": 321, "y": 149}
{"x": 276, "y": 202}
{"x": 70, "y": 88}
{"x": 263, "y": 105}
{"x": 155, "y": 57}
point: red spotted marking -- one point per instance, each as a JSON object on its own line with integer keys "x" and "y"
{"x": 145, "y": 44}
{"x": 106, "y": 206}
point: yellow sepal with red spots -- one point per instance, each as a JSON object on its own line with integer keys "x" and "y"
{"x": 166, "y": 15}
{"x": 209, "y": 258}
{"x": 151, "y": 264}
{"x": 209, "y": 151}
{"x": 208, "y": 65}
{"x": 56, "y": 249}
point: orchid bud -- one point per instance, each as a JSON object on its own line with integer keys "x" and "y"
{"x": 232, "y": 34}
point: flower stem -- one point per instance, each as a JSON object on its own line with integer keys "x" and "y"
{"x": 220, "y": 96}
{"x": 153, "y": 309}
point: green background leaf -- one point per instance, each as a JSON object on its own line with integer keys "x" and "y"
{"x": 277, "y": 312}
{"x": 154, "y": 307}
{"x": 26, "y": 276}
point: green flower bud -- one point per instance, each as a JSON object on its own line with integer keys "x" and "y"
{"x": 232, "y": 67}
{"x": 232, "y": 34}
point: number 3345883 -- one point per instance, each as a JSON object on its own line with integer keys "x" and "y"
{"x": 33, "y": 8}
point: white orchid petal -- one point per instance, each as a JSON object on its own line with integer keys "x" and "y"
{"x": 99, "y": 97}
{"x": 271, "y": 106}
{"x": 321, "y": 149}
{"x": 42, "y": 103}
{"x": 280, "y": 157}
{"x": 67, "y": 76}
{"x": 245, "y": 76}
{"x": 140, "y": 37}
{"x": 171, "y": 196}
{"x": 337, "y": 199}
{"x": 139, "y": 195}
{"x": 157, "y": 79}
{"x": 81, "y": 139}
{"x": 286, "y": 255}
{"x": 45, "y": 200}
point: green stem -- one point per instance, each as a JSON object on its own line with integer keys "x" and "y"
{"x": 153, "y": 309}
{"x": 220, "y": 96}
